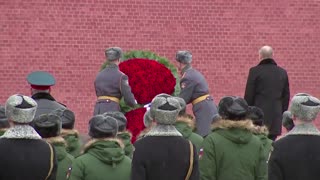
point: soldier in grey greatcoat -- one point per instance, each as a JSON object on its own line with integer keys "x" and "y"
{"x": 41, "y": 83}
{"x": 111, "y": 84}
{"x": 195, "y": 90}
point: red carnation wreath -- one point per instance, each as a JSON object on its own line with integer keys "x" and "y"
{"x": 149, "y": 75}
{"x": 148, "y": 78}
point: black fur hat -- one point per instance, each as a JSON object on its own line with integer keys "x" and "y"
{"x": 67, "y": 117}
{"x": 47, "y": 125}
{"x": 101, "y": 126}
{"x": 233, "y": 108}
{"x": 256, "y": 115}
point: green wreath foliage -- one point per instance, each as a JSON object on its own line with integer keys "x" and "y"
{"x": 144, "y": 54}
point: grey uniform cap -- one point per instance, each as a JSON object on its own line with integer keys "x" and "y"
{"x": 184, "y": 57}
{"x": 165, "y": 109}
{"x": 101, "y": 126}
{"x": 305, "y": 107}
{"x": 20, "y": 108}
{"x": 122, "y": 120}
{"x": 113, "y": 53}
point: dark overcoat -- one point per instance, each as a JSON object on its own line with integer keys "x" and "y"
{"x": 46, "y": 103}
{"x": 23, "y": 159}
{"x": 163, "y": 157}
{"x": 295, "y": 157}
{"x": 268, "y": 88}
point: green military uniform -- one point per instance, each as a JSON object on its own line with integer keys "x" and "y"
{"x": 232, "y": 152}
{"x": 102, "y": 159}
{"x": 71, "y": 136}
{"x": 185, "y": 126}
{"x": 126, "y": 139}
{"x": 103, "y": 156}
{"x": 2, "y": 132}
{"x": 262, "y": 133}
{"x": 64, "y": 159}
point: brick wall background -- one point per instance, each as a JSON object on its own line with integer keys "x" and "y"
{"x": 68, "y": 39}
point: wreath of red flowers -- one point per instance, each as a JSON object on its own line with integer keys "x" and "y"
{"x": 149, "y": 75}
{"x": 148, "y": 78}
{"x": 135, "y": 122}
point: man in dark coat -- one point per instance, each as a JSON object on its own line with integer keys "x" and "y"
{"x": 195, "y": 90}
{"x": 163, "y": 153}
{"x": 296, "y": 156}
{"x": 41, "y": 83}
{"x": 111, "y": 85}
{"x": 22, "y": 152}
{"x": 268, "y": 88}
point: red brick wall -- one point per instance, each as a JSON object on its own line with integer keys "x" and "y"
{"x": 68, "y": 38}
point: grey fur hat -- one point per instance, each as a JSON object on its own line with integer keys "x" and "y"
{"x": 122, "y": 120}
{"x": 305, "y": 107}
{"x": 47, "y": 125}
{"x": 20, "y": 108}
{"x": 183, "y": 106}
{"x": 184, "y": 57}
{"x": 113, "y": 53}
{"x": 101, "y": 126}
{"x": 147, "y": 119}
{"x": 165, "y": 109}
{"x": 67, "y": 117}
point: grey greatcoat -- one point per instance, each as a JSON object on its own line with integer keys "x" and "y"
{"x": 114, "y": 83}
{"x": 46, "y": 103}
{"x": 193, "y": 85}
{"x": 268, "y": 88}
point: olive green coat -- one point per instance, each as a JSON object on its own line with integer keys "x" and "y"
{"x": 232, "y": 152}
{"x": 185, "y": 126}
{"x": 72, "y": 138}
{"x": 64, "y": 159}
{"x": 126, "y": 139}
{"x": 102, "y": 159}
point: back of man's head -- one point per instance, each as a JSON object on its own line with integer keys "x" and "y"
{"x": 266, "y": 52}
